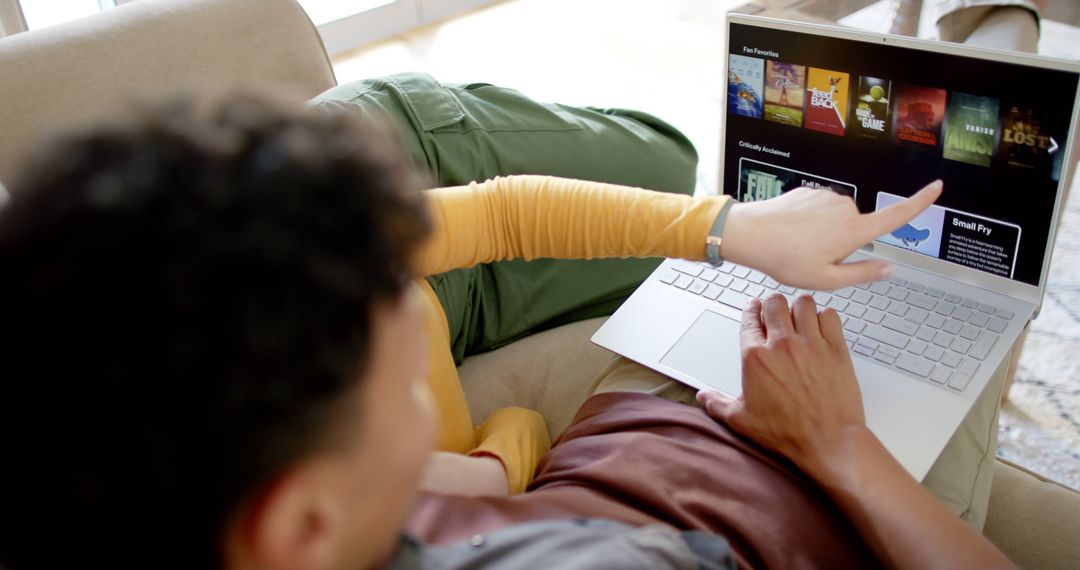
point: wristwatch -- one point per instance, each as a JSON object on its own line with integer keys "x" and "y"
{"x": 714, "y": 239}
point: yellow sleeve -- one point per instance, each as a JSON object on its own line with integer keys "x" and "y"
{"x": 519, "y": 438}
{"x": 456, "y": 430}
{"x": 541, "y": 216}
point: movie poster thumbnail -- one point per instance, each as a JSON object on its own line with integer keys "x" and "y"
{"x": 971, "y": 129}
{"x": 746, "y": 76}
{"x": 784, "y": 87}
{"x": 762, "y": 181}
{"x": 918, "y": 116}
{"x": 827, "y": 100}
{"x": 1025, "y": 139}
{"x": 871, "y": 120}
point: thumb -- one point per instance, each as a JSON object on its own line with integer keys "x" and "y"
{"x": 844, "y": 274}
{"x": 719, "y": 406}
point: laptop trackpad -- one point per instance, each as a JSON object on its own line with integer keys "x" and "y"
{"x": 708, "y": 352}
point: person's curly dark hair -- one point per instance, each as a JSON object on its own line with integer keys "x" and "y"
{"x": 185, "y": 300}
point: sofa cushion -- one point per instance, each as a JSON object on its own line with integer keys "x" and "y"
{"x": 1034, "y": 521}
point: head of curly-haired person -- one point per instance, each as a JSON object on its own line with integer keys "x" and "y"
{"x": 211, "y": 346}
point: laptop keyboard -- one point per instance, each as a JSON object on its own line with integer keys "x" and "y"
{"x": 926, "y": 333}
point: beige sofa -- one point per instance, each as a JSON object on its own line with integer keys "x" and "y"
{"x": 60, "y": 76}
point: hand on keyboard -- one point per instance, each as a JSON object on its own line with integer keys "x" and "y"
{"x": 801, "y": 238}
{"x": 800, "y": 396}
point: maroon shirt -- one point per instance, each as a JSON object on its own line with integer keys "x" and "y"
{"x": 640, "y": 459}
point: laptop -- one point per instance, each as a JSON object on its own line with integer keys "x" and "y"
{"x": 875, "y": 118}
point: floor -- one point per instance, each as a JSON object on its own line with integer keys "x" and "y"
{"x": 665, "y": 57}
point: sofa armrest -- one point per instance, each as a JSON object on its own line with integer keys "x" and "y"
{"x": 1034, "y": 521}
{"x": 73, "y": 72}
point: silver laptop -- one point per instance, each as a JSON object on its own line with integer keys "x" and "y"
{"x": 876, "y": 118}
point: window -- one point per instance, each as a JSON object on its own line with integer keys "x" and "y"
{"x": 344, "y": 24}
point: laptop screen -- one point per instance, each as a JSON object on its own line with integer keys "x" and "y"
{"x": 877, "y": 122}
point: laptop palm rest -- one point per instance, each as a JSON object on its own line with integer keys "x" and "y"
{"x": 708, "y": 353}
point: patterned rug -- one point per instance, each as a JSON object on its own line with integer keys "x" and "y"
{"x": 1040, "y": 422}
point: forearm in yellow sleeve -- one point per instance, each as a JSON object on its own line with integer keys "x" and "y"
{"x": 519, "y": 438}
{"x": 541, "y": 216}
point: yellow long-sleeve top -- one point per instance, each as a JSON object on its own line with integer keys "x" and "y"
{"x": 533, "y": 217}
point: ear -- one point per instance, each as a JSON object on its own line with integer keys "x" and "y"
{"x": 293, "y": 524}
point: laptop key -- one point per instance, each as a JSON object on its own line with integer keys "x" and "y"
{"x": 935, "y": 292}
{"x": 961, "y": 314}
{"x": 970, "y": 303}
{"x": 926, "y": 333}
{"x": 754, "y": 290}
{"x": 882, "y": 334}
{"x": 916, "y": 286}
{"x": 880, "y": 303}
{"x": 885, "y": 355}
{"x": 727, "y": 267}
{"x": 987, "y": 308}
{"x": 738, "y": 285}
{"x": 968, "y": 366}
{"x": 691, "y": 269}
{"x": 916, "y": 315}
{"x": 851, "y": 337}
{"x": 951, "y": 359}
{"x": 740, "y": 272}
{"x": 787, "y": 290}
{"x": 668, "y": 277}
{"x": 724, "y": 280}
{"x": 897, "y": 308}
{"x": 982, "y": 346}
{"x": 959, "y": 381}
{"x": 953, "y": 298}
{"x": 771, "y": 283}
{"x": 855, "y": 325}
{"x": 709, "y": 274}
{"x": 969, "y": 332}
{"x": 879, "y": 287}
{"x": 961, "y": 345}
{"x": 940, "y": 374}
{"x": 943, "y": 339}
{"x": 922, "y": 301}
{"x": 712, "y": 291}
{"x": 898, "y": 293}
{"x": 1005, "y": 314}
{"x": 838, "y": 304}
{"x": 845, "y": 293}
{"x": 914, "y": 365}
{"x": 898, "y": 281}
{"x": 855, "y": 310}
{"x": 755, "y": 276}
{"x": 871, "y": 344}
{"x": 733, "y": 299}
{"x": 944, "y": 309}
{"x": 979, "y": 319}
{"x": 874, "y": 316}
{"x": 863, "y": 297}
{"x": 916, "y": 346}
{"x": 698, "y": 286}
{"x": 684, "y": 281}
{"x": 933, "y": 352}
{"x": 900, "y": 325}
{"x": 863, "y": 350}
{"x": 862, "y": 285}
{"x": 997, "y": 325}
{"x": 935, "y": 320}
{"x": 953, "y": 326}
{"x": 821, "y": 298}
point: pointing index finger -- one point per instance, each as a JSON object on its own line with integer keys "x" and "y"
{"x": 892, "y": 217}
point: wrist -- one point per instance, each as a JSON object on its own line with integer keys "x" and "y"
{"x": 733, "y": 237}
{"x": 836, "y": 463}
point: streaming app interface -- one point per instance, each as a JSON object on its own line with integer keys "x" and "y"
{"x": 877, "y": 122}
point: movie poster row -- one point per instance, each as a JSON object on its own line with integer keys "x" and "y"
{"x": 967, "y": 128}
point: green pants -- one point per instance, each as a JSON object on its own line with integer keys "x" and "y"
{"x": 457, "y": 134}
